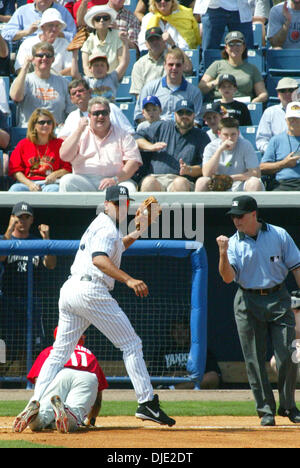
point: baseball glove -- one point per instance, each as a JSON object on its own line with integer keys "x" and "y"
{"x": 79, "y": 39}
{"x": 150, "y": 207}
{"x": 220, "y": 183}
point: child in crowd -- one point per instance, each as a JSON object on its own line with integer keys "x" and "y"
{"x": 212, "y": 116}
{"x": 151, "y": 109}
{"x": 100, "y": 81}
{"x": 237, "y": 110}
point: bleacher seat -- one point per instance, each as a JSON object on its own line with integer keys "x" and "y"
{"x": 128, "y": 110}
{"x": 7, "y": 85}
{"x": 255, "y": 57}
{"x": 256, "y": 111}
{"x": 257, "y": 35}
{"x": 283, "y": 62}
{"x": 130, "y": 5}
{"x": 194, "y": 56}
{"x": 132, "y": 60}
{"x": 194, "y": 80}
{"x": 250, "y": 134}
{"x": 16, "y": 134}
{"x": 209, "y": 56}
{"x": 123, "y": 94}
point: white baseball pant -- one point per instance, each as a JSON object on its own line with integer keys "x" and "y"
{"x": 77, "y": 390}
{"x": 83, "y": 303}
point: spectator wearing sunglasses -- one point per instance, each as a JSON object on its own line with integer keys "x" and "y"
{"x": 50, "y": 30}
{"x": 273, "y": 120}
{"x": 103, "y": 40}
{"x": 232, "y": 155}
{"x": 35, "y": 163}
{"x": 172, "y": 151}
{"x": 81, "y": 7}
{"x": 282, "y": 156}
{"x": 41, "y": 88}
{"x": 250, "y": 83}
{"x": 101, "y": 154}
{"x": 173, "y": 18}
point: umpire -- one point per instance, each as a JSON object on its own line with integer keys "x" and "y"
{"x": 258, "y": 257}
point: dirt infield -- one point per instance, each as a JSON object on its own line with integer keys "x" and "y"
{"x": 189, "y": 432}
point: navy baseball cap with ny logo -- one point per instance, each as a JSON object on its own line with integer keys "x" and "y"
{"x": 22, "y": 208}
{"x": 117, "y": 192}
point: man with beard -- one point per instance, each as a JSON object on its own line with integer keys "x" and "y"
{"x": 173, "y": 151}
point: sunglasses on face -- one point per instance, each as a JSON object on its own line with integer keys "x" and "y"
{"x": 103, "y": 18}
{"x": 159, "y": 1}
{"x": 287, "y": 90}
{"x": 184, "y": 112}
{"x": 235, "y": 44}
{"x": 44, "y": 54}
{"x": 104, "y": 113}
{"x": 44, "y": 122}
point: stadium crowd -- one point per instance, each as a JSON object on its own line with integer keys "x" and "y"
{"x": 159, "y": 95}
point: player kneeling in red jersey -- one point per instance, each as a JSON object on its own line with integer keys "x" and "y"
{"x": 72, "y": 399}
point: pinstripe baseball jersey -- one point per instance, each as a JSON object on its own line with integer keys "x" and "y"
{"x": 102, "y": 236}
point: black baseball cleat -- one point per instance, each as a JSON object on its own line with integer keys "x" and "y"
{"x": 150, "y": 410}
{"x": 293, "y": 414}
{"x": 268, "y": 420}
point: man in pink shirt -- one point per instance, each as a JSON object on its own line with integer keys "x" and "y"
{"x": 100, "y": 153}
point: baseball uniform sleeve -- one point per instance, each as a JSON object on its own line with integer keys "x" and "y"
{"x": 38, "y": 364}
{"x": 291, "y": 251}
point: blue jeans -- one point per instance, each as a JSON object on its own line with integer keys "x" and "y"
{"x": 18, "y": 187}
{"x": 214, "y": 22}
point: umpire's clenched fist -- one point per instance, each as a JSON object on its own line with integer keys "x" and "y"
{"x": 222, "y": 242}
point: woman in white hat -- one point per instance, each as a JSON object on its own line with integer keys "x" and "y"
{"x": 104, "y": 40}
{"x": 51, "y": 26}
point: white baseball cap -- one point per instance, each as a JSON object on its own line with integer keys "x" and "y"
{"x": 50, "y": 15}
{"x": 293, "y": 110}
{"x": 99, "y": 10}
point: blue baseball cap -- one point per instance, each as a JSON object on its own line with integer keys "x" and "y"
{"x": 151, "y": 100}
{"x": 184, "y": 104}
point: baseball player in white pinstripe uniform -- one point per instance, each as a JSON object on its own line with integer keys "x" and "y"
{"x": 85, "y": 299}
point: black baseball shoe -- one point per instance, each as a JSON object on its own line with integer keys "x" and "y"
{"x": 150, "y": 410}
{"x": 293, "y": 414}
{"x": 267, "y": 420}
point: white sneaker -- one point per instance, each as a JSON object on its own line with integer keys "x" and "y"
{"x": 26, "y": 417}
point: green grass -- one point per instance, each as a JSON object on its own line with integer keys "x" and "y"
{"x": 174, "y": 408}
{"x": 23, "y": 444}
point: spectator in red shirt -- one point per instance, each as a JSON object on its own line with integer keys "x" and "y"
{"x": 79, "y": 386}
{"x": 35, "y": 162}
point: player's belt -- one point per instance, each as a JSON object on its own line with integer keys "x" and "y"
{"x": 264, "y": 292}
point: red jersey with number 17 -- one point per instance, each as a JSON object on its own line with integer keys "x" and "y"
{"x": 82, "y": 359}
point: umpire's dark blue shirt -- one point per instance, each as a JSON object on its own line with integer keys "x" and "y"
{"x": 188, "y": 147}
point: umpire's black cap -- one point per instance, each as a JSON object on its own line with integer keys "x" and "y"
{"x": 117, "y": 192}
{"x": 241, "y": 205}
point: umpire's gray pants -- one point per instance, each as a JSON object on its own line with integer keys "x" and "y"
{"x": 257, "y": 316}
